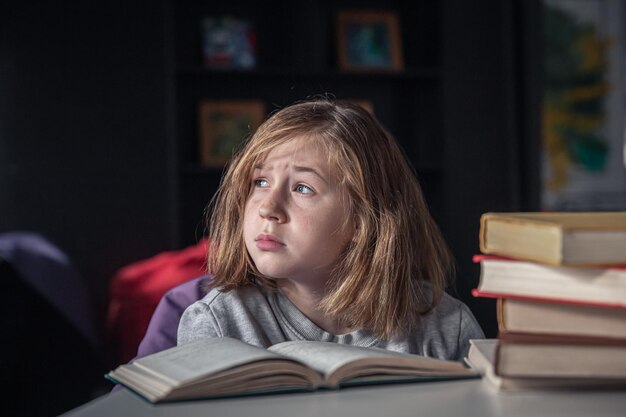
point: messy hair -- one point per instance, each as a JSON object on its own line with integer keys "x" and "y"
{"x": 397, "y": 265}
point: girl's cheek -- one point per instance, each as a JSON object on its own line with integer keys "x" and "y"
{"x": 253, "y": 200}
{"x": 248, "y": 211}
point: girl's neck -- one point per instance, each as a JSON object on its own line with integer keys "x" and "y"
{"x": 307, "y": 300}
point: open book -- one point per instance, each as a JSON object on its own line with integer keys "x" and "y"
{"x": 221, "y": 367}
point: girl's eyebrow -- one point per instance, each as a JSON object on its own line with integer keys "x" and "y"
{"x": 299, "y": 168}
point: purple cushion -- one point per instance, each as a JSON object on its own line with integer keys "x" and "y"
{"x": 163, "y": 327}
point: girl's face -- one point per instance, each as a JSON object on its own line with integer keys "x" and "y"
{"x": 295, "y": 221}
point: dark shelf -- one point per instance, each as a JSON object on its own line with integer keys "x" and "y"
{"x": 411, "y": 74}
{"x": 303, "y": 65}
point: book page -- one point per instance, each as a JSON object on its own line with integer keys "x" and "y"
{"x": 188, "y": 362}
{"x": 339, "y": 362}
{"x": 324, "y": 357}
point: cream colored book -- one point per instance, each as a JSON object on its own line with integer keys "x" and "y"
{"x": 558, "y": 238}
{"x": 220, "y": 367}
{"x": 546, "y": 317}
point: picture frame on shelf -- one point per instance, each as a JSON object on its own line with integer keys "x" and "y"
{"x": 223, "y": 126}
{"x": 228, "y": 43}
{"x": 369, "y": 41}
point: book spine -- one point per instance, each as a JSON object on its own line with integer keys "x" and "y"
{"x": 482, "y": 236}
{"x": 552, "y": 339}
{"x": 500, "y": 315}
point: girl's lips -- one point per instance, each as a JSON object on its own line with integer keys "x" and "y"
{"x": 268, "y": 243}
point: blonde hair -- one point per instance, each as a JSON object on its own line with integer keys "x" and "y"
{"x": 397, "y": 247}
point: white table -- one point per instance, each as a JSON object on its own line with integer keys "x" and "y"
{"x": 446, "y": 399}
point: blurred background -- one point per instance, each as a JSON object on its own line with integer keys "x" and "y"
{"x": 116, "y": 120}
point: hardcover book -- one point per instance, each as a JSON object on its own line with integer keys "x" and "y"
{"x": 595, "y": 286}
{"x": 559, "y": 238}
{"x": 560, "y": 318}
{"x": 220, "y": 367}
{"x": 482, "y": 357}
{"x": 539, "y": 356}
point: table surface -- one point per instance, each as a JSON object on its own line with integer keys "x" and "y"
{"x": 451, "y": 398}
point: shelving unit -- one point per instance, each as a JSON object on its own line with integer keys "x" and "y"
{"x": 296, "y": 59}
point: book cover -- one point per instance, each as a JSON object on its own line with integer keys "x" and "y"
{"x": 559, "y": 238}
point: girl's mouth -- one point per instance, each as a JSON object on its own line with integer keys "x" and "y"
{"x": 267, "y": 242}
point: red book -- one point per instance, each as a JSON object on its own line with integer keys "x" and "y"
{"x": 597, "y": 286}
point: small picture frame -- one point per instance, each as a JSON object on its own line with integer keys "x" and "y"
{"x": 223, "y": 126}
{"x": 228, "y": 43}
{"x": 369, "y": 41}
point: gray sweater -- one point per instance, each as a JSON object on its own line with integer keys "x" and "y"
{"x": 263, "y": 318}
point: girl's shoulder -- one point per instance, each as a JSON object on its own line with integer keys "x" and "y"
{"x": 448, "y": 308}
{"x": 217, "y": 310}
{"x": 449, "y": 304}
{"x": 454, "y": 315}
{"x": 246, "y": 296}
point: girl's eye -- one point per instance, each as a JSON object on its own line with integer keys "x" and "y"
{"x": 303, "y": 189}
{"x": 261, "y": 183}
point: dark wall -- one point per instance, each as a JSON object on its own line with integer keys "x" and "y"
{"x": 84, "y": 130}
{"x": 86, "y": 126}
{"x": 491, "y": 124}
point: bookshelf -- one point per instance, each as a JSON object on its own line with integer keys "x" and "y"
{"x": 296, "y": 59}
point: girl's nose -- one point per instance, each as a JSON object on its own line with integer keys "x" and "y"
{"x": 271, "y": 209}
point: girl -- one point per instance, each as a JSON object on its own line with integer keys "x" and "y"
{"x": 320, "y": 232}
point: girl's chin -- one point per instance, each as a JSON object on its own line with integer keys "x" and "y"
{"x": 271, "y": 273}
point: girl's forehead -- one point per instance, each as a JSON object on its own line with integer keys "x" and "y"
{"x": 298, "y": 149}
{"x": 302, "y": 152}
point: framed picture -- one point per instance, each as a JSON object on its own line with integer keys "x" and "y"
{"x": 583, "y": 106}
{"x": 369, "y": 41}
{"x": 228, "y": 43}
{"x": 223, "y": 126}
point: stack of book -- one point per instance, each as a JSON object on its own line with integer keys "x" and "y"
{"x": 560, "y": 284}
